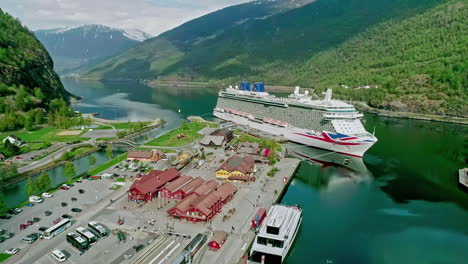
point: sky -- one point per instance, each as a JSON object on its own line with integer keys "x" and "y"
{"x": 151, "y": 16}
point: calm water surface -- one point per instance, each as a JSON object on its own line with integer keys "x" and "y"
{"x": 400, "y": 204}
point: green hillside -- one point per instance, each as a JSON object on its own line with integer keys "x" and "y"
{"x": 413, "y": 51}
{"x": 28, "y": 84}
{"x": 154, "y": 56}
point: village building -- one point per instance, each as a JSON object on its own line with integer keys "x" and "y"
{"x": 219, "y": 238}
{"x": 181, "y": 188}
{"x": 196, "y": 208}
{"x": 148, "y": 186}
{"x": 142, "y": 155}
{"x": 223, "y": 132}
{"x": 13, "y": 140}
{"x": 205, "y": 188}
{"x": 236, "y": 168}
{"x": 213, "y": 141}
{"x": 2, "y": 157}
{"x": 249, "y": 148}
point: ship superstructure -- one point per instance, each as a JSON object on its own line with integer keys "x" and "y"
{"x": 328, "y": 124}
{"x": 276, "y": 234}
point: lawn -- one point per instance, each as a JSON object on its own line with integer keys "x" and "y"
{"x": 189, "y": 130}
{"x": 124, "y": 125}
{"x": 80, "y": 150}
{"x": 265, "y": 143}
{"x": 44, "y": 135}
{"x": 107, "y": 165}
{"x": 4, "y": 257}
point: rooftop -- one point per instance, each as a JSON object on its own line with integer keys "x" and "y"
{"x": 236, "y": 163}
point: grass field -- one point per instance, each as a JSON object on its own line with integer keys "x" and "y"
{"x": 189, "y": 130}
{"x": 4, "y": 257}
{"x": 44, "y": 135}
{"x": 265, "y": 143}
{"x": 107, "y": 165}
{"x": 124, "y": 125}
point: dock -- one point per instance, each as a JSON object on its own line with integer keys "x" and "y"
{"x": 463, "y": 177}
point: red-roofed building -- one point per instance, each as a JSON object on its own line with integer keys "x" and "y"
{"x": 168, "y": 190}
{"x": 196, "y": 208}
{"x": 146, "y": 188}
{"x": 236, "y": 168}
{"x": 205, "y": 188}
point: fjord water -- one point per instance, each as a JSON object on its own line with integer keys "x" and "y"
{"x": 400, "y": 204}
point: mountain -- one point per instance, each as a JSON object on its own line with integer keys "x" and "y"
{"x": 154, "y": 55}
{"x": 25, "y": 64}
{"x": 412, "y": 53}
{"x": 75, "y": 49}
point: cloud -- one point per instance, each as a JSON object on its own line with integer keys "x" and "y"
{"x": 152, "y": 16}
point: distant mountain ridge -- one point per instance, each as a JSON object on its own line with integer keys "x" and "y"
{"x": 77, "y": 48}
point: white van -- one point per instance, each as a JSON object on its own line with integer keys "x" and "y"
{"x": 58, "y": 255}
{"x": 35, "y": 199}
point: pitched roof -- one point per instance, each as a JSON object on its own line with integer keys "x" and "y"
{"x": 235, "y": 162}
{"x": 177, "y": 183}
{"x": 184, "y": 205}
{"x": 190, "y": 186}
{"x": 219, "y": 236}
{"x": 155, "y": 179}
{"x": 205, "y": 202}
{"x": 205, "y": 188}
{"x": 226, "y": 189}
{"x": 249, "y": 148}
{"x": 239, "y": 178}
{"x": 141, "y": 154}
{"x": 217, "y": 140}
{"x": 222, "y": 132}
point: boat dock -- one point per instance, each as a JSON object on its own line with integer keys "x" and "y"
{"x": 463, "y": 177}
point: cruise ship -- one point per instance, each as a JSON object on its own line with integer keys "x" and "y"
{"x": 327, "y": 124}
{"x": 276, "y": 234}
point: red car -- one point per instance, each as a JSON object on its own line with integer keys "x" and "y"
{"x": 29, "y": 222}
{"x": 64, "y": 188}
{"x": 22, "y": 226}
{"x": 18, "y": 157}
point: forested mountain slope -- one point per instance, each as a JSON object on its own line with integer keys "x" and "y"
{"x": 155, "y": 55}
{"x": 28, "y": 82}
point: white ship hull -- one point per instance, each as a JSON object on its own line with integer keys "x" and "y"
{"x": 353, "y": 146}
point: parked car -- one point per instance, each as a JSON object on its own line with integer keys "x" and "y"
{"x": 64, "y": 204}
{"x": 29, "y": 204}
{"x": 2, "y": 239}
{"x": 2, "y": 231}
{"x": 29, "y": 222}
{"x": 35, "y": 235}
{"x": 79, "y": 181}
{"x": 12, "y": 251}
{"x": 35, "y": 199}
{"x": 36, "y": 219}
{"x": 64, "y": 188}
{"x": 56, "y": 221}
{"x": 42, "y": 228}
{"x": 8, "y": 235}
{"x": 47, "y": 195}
{"x": 5, "y": 216}
{"x": 81, "y": 191}
{"x": 47, "y": 213}
{"x": 59, "y": 255}
{"x": 76, "y": 210}
{"x": 15, "y": 211}
{"x": 28, "y": 240}
{"x": 18, "y": 157}
{"x": 66, "y": 216}
{"x": 22, "y": 226}
{"x": 74, "y": 199}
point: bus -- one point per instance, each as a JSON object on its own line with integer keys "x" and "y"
{"x": 98, "y": 228}
{"x": 57, "y": 228}
{"x": 90, "y": 237}
{"x": 77, "y": 241}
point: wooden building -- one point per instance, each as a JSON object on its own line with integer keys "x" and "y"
{"x": 148, "y": 186}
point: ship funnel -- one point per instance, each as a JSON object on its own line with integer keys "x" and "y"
{"x": 296, "y": 90}
{"x": 328, "y": 95}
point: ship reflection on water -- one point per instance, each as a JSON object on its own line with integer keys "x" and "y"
{"x": 324, "y": 169}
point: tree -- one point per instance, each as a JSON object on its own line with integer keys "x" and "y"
{"x": 38, "y": 93}
{"x": 43, "y": 182}
{"x": 10, "y": 149}
{"x": 91, "y": 160}
{"x": 28, "y": 122}
{"x": 109, "y": 153}
{"x": 70, "y": 170}
{"x": 203, "y": 155}
{"x": 3, "y": 206}
{"x": 31, "y": 187}
{"x": 39, "y": 116}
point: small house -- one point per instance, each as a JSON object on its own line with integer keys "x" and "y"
{"x": 13, "y": 140}
{"x": 223, "y": 132}
{"x": 236, "y": 168}
{"x": 219, "y": 238}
